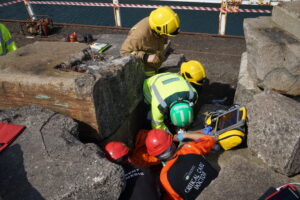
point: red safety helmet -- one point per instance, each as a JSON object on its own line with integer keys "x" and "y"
{"x": 116, "y": 150}
{"x": 158, "y": 141}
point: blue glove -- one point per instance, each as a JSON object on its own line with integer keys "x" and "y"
{"x": 207, "y": 130}
{"x": 180, "y": 135}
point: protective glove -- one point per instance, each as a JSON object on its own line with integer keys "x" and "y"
{"x": 207, "y": 130}
{"x": 180, "y": 134}
{"x": 152, "y": 58}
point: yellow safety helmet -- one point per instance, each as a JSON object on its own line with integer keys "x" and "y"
{"x": 193, "y": 71}
{"x": 164, "y": 21}
{"x": 230, "y": 139}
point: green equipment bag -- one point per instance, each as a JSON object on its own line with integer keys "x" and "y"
{"x": 228, "y": 126}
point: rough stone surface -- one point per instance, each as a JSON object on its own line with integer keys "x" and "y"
{"x": 273, "y": 131}
{"x": 246, "y": 86}
{"x": 116, "y": 41}
{"x": 273, "y": 56}
{"x": 287, "y": 16}
{"x": 39, "y": 58}
{"x": 242, "y": 178}
{"x": 117, "y": 93}
{"x": 28, "y": 76}
{"x": 172, "y": 63}
{"x": 46, "y": 161}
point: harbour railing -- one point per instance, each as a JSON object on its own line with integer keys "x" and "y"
{"x": 225, "y": 7}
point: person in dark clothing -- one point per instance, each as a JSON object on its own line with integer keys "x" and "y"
{"x": 141, "y": 182}
{"x": 185, "y": 171}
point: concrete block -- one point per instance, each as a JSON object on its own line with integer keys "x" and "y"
{"x": 287, "y": 16}
{"x": 273, "y": 131}
{"x": 246, "y": 85}
{"x": 273, "y": 56}
{"x": 241, "y": 178}
{"x": 101, "y": 99}
{"x": 116, "y": 41}
{"x": 47, "y": 162}
{"x": 172, "y": 63}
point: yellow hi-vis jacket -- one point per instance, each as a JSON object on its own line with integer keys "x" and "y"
{"x": 161, "y": 91}
{"x": 7, "y": 45}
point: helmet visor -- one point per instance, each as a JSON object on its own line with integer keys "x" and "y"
{"x": 176, "y": 32}
{"x": 168, "y": 153}
{"x": 203, "y": 81}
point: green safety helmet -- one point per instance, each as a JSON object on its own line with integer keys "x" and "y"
{"x": 181, "y": 114}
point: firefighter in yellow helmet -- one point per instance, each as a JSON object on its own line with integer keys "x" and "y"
{"x": 7, "y": 45}
{"x": 194, "y": 72}
{"x": 147, "y": 38}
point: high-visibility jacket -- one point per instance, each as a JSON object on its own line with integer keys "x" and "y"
{"x": 142, "y": 40}
{"x": 188, "y": 173}
{"x": 161, "y": 91}
{"x": 7, "y": 45}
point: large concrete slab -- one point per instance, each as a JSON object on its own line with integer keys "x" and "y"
{"x": 273, "y": 56}
{"x": 273, "y": 131}
{"x": 246, "y": 86}
{"x": 46, "y": 161}
{"x": 242, "y": 177}
{"x": 101, "y": 100}
{"x": 287, "y": 16}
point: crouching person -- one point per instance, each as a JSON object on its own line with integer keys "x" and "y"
{"x": 185, "y": 172}
{"x": 141, "y": 183}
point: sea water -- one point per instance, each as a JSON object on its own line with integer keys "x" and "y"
{"x": 191, "y": 20}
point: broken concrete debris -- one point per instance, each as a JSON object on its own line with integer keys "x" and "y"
{"x": 46, "y": 161}
{"x": 48, "y": 148}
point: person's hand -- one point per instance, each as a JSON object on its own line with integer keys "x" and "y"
{"x": 153, "y": 58}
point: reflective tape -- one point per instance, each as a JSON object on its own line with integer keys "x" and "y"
{"x": 9, "y": 42}
{"x": 150, "y": 73}
{"x": 156, "y": 122}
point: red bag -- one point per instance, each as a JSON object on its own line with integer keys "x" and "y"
{"x": 8, "y": 132}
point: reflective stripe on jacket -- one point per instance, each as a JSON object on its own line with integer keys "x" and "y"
{"x": 199, "y": 147}
{"x": 7, "y": 45}
{"x": 162, "y": 90}
{"x": 140, "y": 41}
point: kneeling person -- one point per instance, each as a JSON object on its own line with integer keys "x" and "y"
{"x": 140, "y": 181}
{"x": 185, "y": 172}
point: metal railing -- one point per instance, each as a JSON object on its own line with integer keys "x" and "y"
{"x": 226, "y": 6}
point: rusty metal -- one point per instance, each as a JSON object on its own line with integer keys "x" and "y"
{"x": 40, "y": 25}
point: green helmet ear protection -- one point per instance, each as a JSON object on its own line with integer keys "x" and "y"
{"x": 181, "y": 113}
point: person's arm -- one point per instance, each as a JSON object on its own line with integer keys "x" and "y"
{"x": 188, "y": 135}
{"x": 157, "y": 118}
